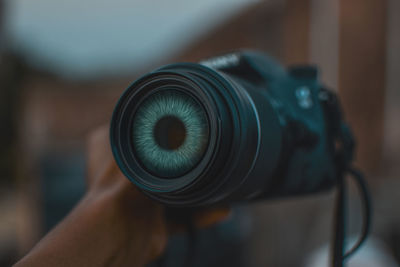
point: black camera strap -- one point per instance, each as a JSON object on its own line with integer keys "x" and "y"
{"x": 343, "y": 144}
{"x": 339, "y": 254}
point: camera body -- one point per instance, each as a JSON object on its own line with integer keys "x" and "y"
{"x": 271, "y": 132}
{"x": 304, "y": 153}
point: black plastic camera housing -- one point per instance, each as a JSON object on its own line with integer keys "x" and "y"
{"x": 269, "y": 132}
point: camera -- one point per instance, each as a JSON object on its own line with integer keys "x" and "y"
{"x": 236, "y": 127}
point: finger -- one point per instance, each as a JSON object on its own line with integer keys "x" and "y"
{"x": 207, "y": 218}
{"x": 201, "y": 219}
{"x": 159, "y": 235}
{"x": 98, "y": 153}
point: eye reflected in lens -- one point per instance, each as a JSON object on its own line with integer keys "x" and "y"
{"x": 170, "y": 133}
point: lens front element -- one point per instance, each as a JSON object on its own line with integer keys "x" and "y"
{"x": 170, "y": 133}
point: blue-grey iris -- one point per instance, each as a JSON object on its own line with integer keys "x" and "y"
{"x": 170, "y": 133}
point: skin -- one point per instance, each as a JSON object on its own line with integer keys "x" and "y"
{"x": 114, "y": 224}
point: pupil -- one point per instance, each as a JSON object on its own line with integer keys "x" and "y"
{"x": 169, "y": 132}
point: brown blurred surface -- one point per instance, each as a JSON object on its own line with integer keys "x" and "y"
{"x": 259, "y": 27}
{"x": 362, "y": 66}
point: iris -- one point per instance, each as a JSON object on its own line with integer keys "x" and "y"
{"x": 170, "y": 133}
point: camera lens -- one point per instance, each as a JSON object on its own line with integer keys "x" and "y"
{"x": 188, "y": 135}
{"x": 170, "y": 133}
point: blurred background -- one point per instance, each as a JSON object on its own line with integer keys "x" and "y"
{"x": 63, "y": 65}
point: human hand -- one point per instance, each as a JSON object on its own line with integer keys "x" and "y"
{"x": 114, "y": 224}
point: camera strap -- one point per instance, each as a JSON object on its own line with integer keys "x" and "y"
{"x": 339, "y": 254}
{"x": 343, "y": 144}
